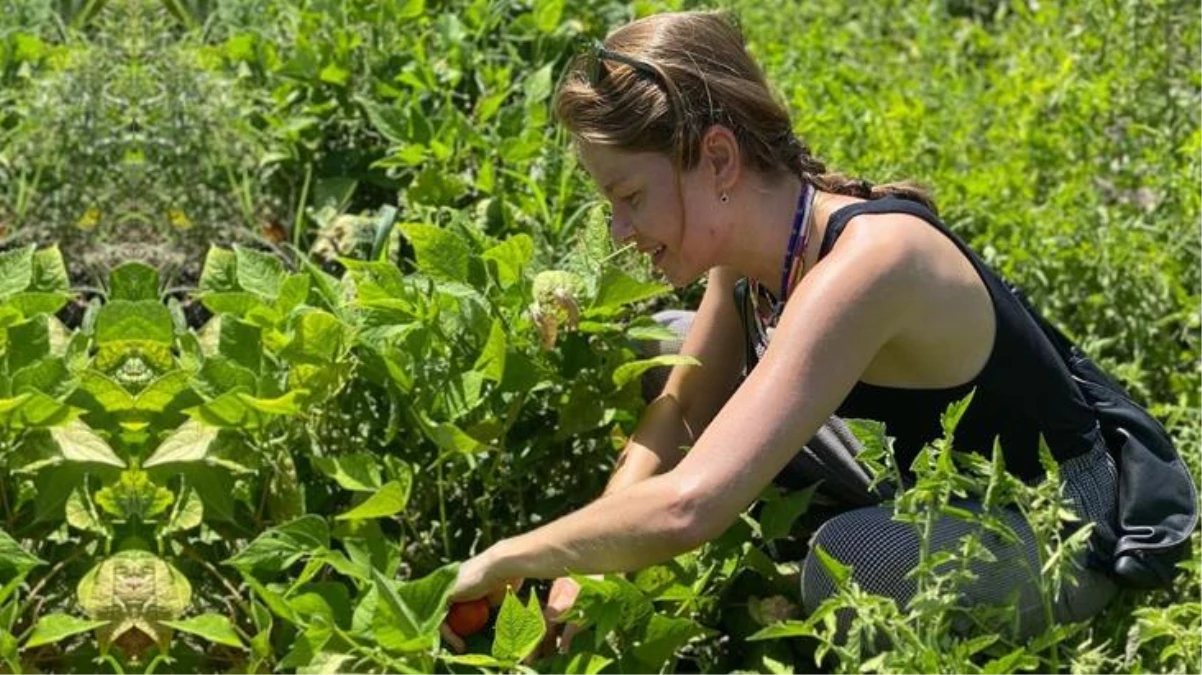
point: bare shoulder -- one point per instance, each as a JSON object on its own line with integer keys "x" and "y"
{"x": 949, "y": 322}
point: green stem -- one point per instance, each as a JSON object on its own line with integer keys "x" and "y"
{"x": 442, "y": 515}
{"x": 37, "y": 588}
{"x": 298, "y": 219}
{"x": 373, "y": 655}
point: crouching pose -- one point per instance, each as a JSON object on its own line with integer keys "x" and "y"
{"x": 826, "y": 297}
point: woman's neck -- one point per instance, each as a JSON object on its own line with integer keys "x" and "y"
{"x": 758, "y": 243}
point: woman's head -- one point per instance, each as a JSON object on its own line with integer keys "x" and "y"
{"x": 664, "y": 98}
{"x": 658, "y": 83}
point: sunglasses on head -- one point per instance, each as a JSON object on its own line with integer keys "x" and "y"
{"x": 595, "y": 56}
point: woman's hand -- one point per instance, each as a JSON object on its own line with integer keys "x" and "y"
{"x": 559, "y": 601}
{"x": 476, "y": 581}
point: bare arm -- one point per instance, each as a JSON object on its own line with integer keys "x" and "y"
{"x": 843, "y": 312}
{"x": 693, "y": 394}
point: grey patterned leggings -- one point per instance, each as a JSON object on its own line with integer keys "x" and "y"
{"x": 882, "y": 551}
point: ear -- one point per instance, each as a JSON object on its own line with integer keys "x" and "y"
{"x": 720, "y": 157}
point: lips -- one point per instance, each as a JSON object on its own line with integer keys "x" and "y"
{"x": 656, "y": 252}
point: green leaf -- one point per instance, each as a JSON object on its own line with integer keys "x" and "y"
{"x": 612, "y": 603}
{"x": 388, "y": 500}
{"x": 215, "y": 628}
{"x": 317, "y": 337}
{"x": 170, "y": 391}
{"x": 227, "y": 411}
{"x": 49, "y": 272}
{"x": 28, "y": 343}
{"x": 547, "y": 14}
{"x": 586, "y": 663}
{"x": 950, "y": 418}
{"x": 328, "y": 288}
{"x": 79, "y": 513}
{"x": 220, "y": 272}
{"x": 35, "y": 410}
{"x": 839, "y": 572}
{"x": 650, "y": 333}
{"x": 145, "y": 320}
{"x": 326, "y": 662}
{"x": 32, "y": 304}
{"x": 307, "y": 646}
{"x": 407, "y": 615}
{"x": 358, "y": 472}
{"x": 259, "y": 272}
{"x": 190, "y": 442}
{"x": 662, "y": 638}
{"x": 329, "y": 600}
{"x": 335, "y": 74}
{"x": 49, "y": 376}
{"x": 617, "y": 289}
{"x": 13, "y": 556}
{"x": 778, "y": 516}
{"x": 387, "y": 120}
{"x": 236, "y": 303}
{"x": 511, "y": 257}
{"x": 384, "y": 278}
{"x": 538, "y": 85}
{"x": 293, "y": 293}
{"x": 134, "y": 495}
{"x": 77, "y": 442}
{"x": 280, "y": 405}
{"x": 108, "y": 394}
{"x": 627, "y": 372}
{"x": 52, "y": 628}
{"x": 16, "y": 270}
{"x": 441, "y": 254}
{"x": 188, "y": 513}
{"x": 519, "y": 630}
{"x": 274, "y": 601}
{"x": 449, "y": 437}
{"x": 212, "y": 485}
{"x": 134, "y": 281}
{"x": 241, "y": 343}
{"x": 491, "y": 362}
{"x": 220, "y": 374}
{"x": 785, "y": 629}
{"x": 395, "y": 625}
{"x": 280, "y": 547}
{"x": 477, "y": 661}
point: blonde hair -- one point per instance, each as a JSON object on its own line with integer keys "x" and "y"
{"x": 658, "y": 83}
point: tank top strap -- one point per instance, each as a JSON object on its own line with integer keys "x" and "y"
{"x": 843, "y": 215}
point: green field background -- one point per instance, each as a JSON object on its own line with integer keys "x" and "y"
{"x": 1062, "y": 140}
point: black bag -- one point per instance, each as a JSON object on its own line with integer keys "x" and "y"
{"x": 1157, "y": 502}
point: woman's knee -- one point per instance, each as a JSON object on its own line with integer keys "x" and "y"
{"x": 879, "y": 551}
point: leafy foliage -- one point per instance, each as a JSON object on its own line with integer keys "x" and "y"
{"x": 412, "y": 339}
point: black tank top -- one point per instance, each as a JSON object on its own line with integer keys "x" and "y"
{"x": 1023, "y": 391}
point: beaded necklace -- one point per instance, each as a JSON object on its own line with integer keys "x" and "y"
{"x": 791, "y": 269}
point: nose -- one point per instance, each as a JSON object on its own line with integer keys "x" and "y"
{"x": 620, "y": 229}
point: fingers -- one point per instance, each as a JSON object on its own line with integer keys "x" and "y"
{"x": 565, "y": 641}
{"x": 452, "y": 640}
{"x": 561, "y": 598}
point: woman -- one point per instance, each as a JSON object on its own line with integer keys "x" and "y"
{"x": 882, "y": 314}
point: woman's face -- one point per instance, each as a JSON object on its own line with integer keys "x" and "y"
{"x": 647, "y": 209}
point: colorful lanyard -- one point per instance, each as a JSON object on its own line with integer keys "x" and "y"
{"x": 791, "y": 268}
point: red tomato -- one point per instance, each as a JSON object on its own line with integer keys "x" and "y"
{"x": 466, "y": 618}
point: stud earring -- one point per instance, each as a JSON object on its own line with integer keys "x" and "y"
{"x": 724, "y": 198}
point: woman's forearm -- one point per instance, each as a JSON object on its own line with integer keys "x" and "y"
{"x": 655, "y": 447}
{"x": 646, "y": 523}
